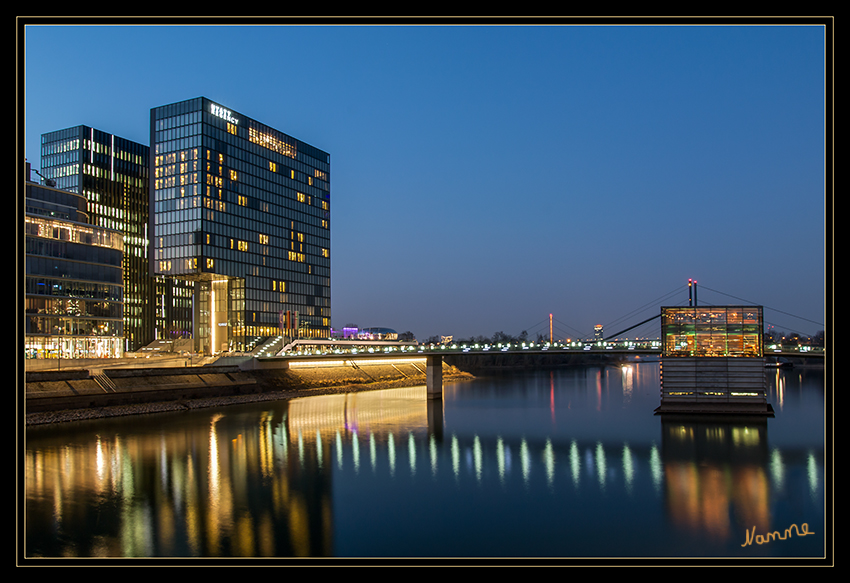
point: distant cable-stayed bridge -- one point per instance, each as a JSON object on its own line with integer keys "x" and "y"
{"x": 313, "y": 352}
{"x": 675, "y": 297}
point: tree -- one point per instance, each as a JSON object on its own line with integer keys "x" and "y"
{"x": 501, "y": 338}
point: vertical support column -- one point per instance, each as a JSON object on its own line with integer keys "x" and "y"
{"x": 551, "y": 336}
{"x": 434, "y": 376}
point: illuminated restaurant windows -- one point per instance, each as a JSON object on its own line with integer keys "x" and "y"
{"x": 245, "y": 214}
{"x": 712, "y": 361}
{"x": 734, "y": 331}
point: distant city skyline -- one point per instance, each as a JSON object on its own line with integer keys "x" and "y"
{"x": 485, "y": 176}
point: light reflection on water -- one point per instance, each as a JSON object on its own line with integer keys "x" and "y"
{"x": 563, "y": 463}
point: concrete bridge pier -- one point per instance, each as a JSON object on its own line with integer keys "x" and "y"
{"x": 434, "y": 376}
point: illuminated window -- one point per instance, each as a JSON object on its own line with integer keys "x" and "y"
{"x": 272, "y": 166}
{"x": 271, "y": 142}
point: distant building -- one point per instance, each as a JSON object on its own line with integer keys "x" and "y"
{"x": 74, "y": 285}
{"x": 376, "y": 333}
{"x": 597, "y": 332}
{"x": 352, "y": 332}
{"x": 241, "y": 216}
{"x": 111, "y": 173}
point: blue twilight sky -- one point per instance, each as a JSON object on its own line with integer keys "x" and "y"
{"x": 483, "y": 177}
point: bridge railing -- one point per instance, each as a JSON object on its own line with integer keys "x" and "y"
{"x": 653, "y": 346}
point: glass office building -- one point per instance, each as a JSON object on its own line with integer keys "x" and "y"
{"x": 73, "y": 302}
{"x": 112, "y": 174}
{"x": 241, "y": 211}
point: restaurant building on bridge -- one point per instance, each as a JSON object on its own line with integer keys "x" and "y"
{"x": 712, "y": 360}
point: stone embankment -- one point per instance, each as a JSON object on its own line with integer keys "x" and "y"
{"x": 79, "y": 394}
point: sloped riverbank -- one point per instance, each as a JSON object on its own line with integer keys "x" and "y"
{"x": 72, "y": 395}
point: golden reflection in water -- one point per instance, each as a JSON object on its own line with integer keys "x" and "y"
{"x": 378, "y": 413}
{"x": 780, "y": 389}
{"x": 179, "y": 490}
{"x": 705, "y": 489}
{"x": 225, "y": 485}
{"x": 628, "y": 381}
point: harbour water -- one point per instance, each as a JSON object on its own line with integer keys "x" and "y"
{"x": 567, "y": 464}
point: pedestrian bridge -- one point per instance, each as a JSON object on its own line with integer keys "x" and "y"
{"x": 350, "y": 353}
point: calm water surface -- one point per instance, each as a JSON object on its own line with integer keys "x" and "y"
{"x": 555, "y": 463}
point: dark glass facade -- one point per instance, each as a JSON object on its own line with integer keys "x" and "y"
{"x": 112, "y": 174}
{"x": 74, "y": 279}
{"x": 242, "y": 211}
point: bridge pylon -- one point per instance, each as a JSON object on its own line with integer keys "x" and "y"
{"x": 434, "y": 376}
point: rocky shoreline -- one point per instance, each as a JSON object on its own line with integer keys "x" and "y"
{"x": 84, "y": 414}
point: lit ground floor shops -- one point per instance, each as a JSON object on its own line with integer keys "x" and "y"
{"x": 73, "y": 347}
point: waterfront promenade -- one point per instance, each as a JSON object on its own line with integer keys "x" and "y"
{"x": 92, "y": 389}
{"x": 174, "y": 381}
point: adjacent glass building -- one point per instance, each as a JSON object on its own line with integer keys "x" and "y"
{"x": 73, "y": 302}
{"x": 241, "y": 213}
{"x": 111, "y": 173}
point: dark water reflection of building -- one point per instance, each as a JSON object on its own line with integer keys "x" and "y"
{"x": 716, "y": 471}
